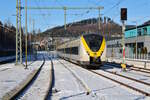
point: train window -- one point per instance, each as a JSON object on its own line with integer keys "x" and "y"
{"x": 72, "y": 50}
{"x": 93, "y": 41}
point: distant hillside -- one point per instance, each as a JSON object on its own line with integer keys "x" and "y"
{"x": 7, "y": 36}
{"x": 108, "y": 28}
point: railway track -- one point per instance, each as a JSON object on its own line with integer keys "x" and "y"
{"x": 49, "y": 91}
{"x": 129, "y": 84}
{"x": 143, "y": 70}
{"x": 21, "y": 90}
{"x": 84, "y": 85}
{"x": 133, "y": 79}
{"x": 122, "y": 83}
{"x": 43, "y": 84}
{"x": 140, "y": 70}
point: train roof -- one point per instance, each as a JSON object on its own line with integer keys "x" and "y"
{"x": 91, "y": 34}
{"x": 73, "y": 39}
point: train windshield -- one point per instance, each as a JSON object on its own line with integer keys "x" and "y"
{"x": 94, "y": 41}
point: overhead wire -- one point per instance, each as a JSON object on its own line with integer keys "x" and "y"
{"x": 94, "y": 3}
{"x": 81, "y": 14}
{"x": 43, "y": 15}
{"x": 114, "y": 6}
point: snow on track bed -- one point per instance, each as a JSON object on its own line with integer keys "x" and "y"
{"x": 39, "y": 88}
{"x": 104, "y": 88}
{"x": 145, "y": 77}
{"x": 67, "y": 85}
{"x": 80, "y": 81}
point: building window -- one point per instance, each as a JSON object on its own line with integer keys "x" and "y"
{"x": 145, "y": 31}
{"x": 139, "y": 32}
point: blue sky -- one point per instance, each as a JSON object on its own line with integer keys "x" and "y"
{"x": 137, "y": 10}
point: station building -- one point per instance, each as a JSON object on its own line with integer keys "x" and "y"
{"x": 139, "y": 34}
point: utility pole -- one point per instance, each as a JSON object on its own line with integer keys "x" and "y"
{"x": 16, "y": 32}
{"x": 123, "y": 40}
{"x": 65, "y": 23}
{"x": 30, "y": 36}
{"x": 65, "y": 17}
{"x": 33, "y": 34}
{"x": 26, "y": 31}
{"x": 136, "y": 38}
{"x": 99, "y": 21}
{"x": 33, "y": 25}
{"x": 20, "y": 31}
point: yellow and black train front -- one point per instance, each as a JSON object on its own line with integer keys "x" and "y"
{"x": 94, "y": 45}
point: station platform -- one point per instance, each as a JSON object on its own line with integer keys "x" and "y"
{"x": 141, "y": 63}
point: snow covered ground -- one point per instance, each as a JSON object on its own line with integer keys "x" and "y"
{"x": 11, "y": 75}
{"x": 102, "y": 89}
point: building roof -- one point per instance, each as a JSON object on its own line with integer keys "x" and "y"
{"x": 134, "y": 27}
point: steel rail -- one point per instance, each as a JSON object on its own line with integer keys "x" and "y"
{"x": 88, "y": 90}
{"x": 141, "y": 68}
{"x": 131, "y": 67}
{"x": 49, "y": 91}
{"x": 133, "y": 79}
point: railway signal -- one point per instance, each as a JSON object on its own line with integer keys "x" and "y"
{"x": 123, "y": 14}
{"x": 123, "y": 19}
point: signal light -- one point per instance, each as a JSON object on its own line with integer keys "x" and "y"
{"x": 123, "y": 13}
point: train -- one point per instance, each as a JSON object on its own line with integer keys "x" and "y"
{"x": 87, "y": 49}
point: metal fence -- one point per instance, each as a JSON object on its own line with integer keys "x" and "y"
{"x": 130, "y": 56}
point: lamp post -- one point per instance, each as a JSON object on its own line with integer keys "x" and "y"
{"x": 26, "y": 40}
{"x": 136, "y": 38}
